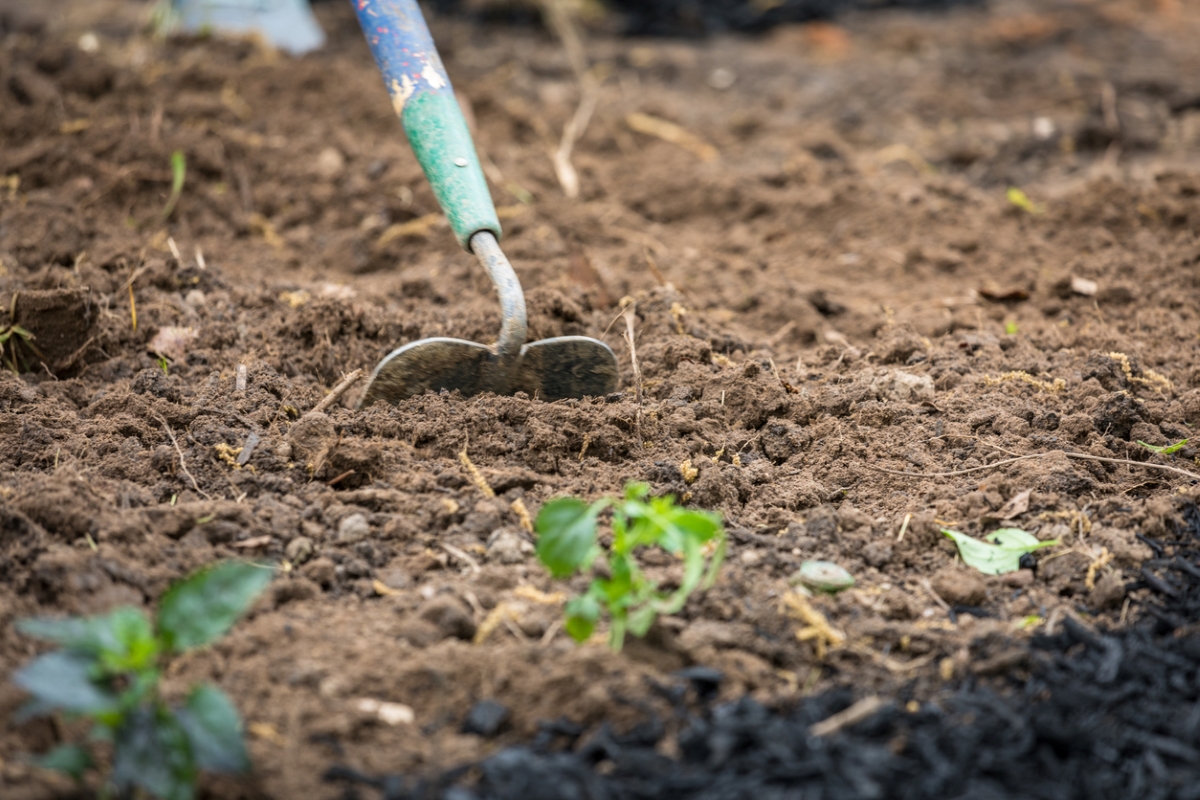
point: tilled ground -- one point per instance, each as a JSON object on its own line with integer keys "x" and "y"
{"x": 839, "y": 291}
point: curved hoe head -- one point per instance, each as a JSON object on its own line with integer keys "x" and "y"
{"x": 565, "y": 366}
{"x": 550, "y": 369}
{"x": 434, "y": 364}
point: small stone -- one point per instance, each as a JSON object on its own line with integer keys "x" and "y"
{"x": 353, "y": 528}
{"x": 877, "y": 554}
{"x": 322, "y": 571}
{"x": 486, "y": 718}
{"x": 903, "y": 387}
{"x": 822, "y": 576}
{"x": 299, "y": 550}
{"x": 507, "y": 546}
{"x": 751, "y": 558}
{"x": 390, "y": 713}
{"x": 451, "y": 617}
{"x": 1108, "y": 592}
{"x": 1019, "y": 579}
{"x": 395, "y": 578}
{"x": 330, "y": 163}
{"x": 960, "y": 587}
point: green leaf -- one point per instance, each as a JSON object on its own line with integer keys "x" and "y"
{"x": 121, "y": 641}
{"x": 636, "y": 491}
{"x": 214, "y": 730}
{"x": 150, "y": 750}
{"x": 63, "y": 680}
{"x": 1013, "y": 537}
{"x": 69, "y": 759}
{"x": 566, "y": 529}
{"x": 699, "y": 525}
{"x": 203, "y": 606}
{"x": 1166, "y": 450}
{"x": 999, "y": 555}
{"x": 582, "y": 613}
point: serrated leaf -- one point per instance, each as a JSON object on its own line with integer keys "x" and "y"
{"x": 63, "y": 680}
{"x": 150, "y": 750}
{"x": 214, "y": 729}
{"x": 69, "y": 759}
{"x": 566, "y": 529}
{"x": 1002, "y": 556}
{"x": 203, "y": 606}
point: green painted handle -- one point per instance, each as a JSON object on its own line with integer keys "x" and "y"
{"x": 439, "y": 137}
{"x": 422, "y": 96}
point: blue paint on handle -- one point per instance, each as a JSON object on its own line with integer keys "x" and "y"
{"x": 403, "y": 49}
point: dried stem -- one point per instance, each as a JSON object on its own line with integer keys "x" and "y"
{"x": 637, "y": 371}
{"x": 336, "y": 393}
{"x": 561, "y": 19}
{"x": 182, "y": 463}
{"x": 1078, "y": 456}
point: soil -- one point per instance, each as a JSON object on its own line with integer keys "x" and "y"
{"x": 846, "y": 291}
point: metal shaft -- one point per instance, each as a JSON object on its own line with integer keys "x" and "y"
{"x": 512, "y": 299}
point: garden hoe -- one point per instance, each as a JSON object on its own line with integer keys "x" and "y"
{"x": 550, "y": 369}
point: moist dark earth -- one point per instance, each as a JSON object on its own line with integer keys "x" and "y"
{"x": 831, "y": 281}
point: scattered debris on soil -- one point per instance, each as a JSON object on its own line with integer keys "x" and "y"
{"x": 1082, "y": 713}
{"x": 849, "y": 337}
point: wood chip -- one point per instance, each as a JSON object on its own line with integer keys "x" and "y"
{"x": 853, "y": 715}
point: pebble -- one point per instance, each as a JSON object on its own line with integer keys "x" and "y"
{"x": 353, "y": 528}
{"x": 507, "y": 546}
{"x": 1019, "y": 579}
{"x": 299, "y": 550}
{"x": 390, "y": 713}
{"x": 486, "y": 718}
{"x": 822, "y": 576}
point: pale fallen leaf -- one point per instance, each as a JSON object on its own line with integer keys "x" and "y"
{"x": 172, "y": 342}
{"x": 1017, "y": 505}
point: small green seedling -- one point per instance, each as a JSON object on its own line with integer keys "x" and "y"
{"x": 1167, "y": 450}
{"x": 108, "y": 672}
{"x": 1000, "y": 553}
{"x": 1021, "y": 200}
{"x": 178, "y": 174}
{"x": 10, "y": 335}
{"x": 567, "y": 544}
{"x": 164, "y": 365}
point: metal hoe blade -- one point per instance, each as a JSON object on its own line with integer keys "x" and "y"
{"x": 550, "y": 369}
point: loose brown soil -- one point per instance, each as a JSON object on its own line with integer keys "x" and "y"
{"x": 846, "y": 289}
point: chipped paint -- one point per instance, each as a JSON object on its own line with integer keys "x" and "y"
{"x": 401, "y": 91}
{"x": 433, "y": 76}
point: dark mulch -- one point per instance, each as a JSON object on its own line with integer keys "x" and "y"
{"x": 1111, "y": 714}
{"x": 698, "y": 17}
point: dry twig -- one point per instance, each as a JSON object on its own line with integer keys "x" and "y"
{"x": 182, "y": 463}
{"x": 562, "y": 21}
{"x": 1005, "y": 462}
{"x": 336, "y": 393}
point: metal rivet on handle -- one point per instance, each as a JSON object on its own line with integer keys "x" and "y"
{"x": 460, "y": 162}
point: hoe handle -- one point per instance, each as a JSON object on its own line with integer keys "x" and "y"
{"x": 424, "y": 100}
